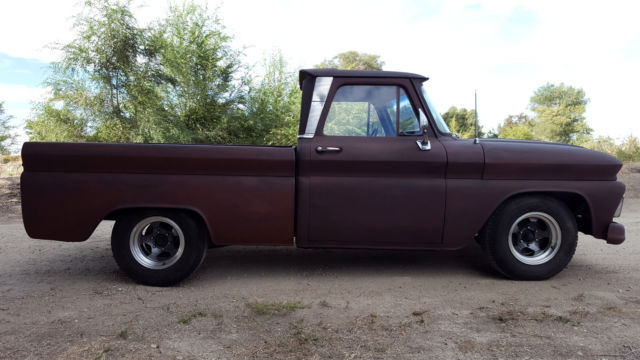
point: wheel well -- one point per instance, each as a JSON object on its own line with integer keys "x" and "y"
{"x": 576, "y": 203}
{"x": 117, "y": 214}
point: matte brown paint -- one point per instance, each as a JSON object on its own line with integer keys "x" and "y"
{"x": 244, "y": 194}
{"x": 158, "y": 159}
{"x": 375, "y": 193}
{"x": 536, "y": 160}
{"x": 344, "y": 198}
{"x": 471, "y": 202}
{"x": 615, "y": 234}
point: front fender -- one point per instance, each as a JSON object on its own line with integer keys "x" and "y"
{"x": 471, "y": 202}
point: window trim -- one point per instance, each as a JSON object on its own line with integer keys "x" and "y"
{"x": 434, "y": 131}
{"x": 341, "y": 82}
{"x": 398, "y": 113}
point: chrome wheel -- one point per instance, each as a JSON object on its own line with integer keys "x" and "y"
{"x": 156, "y": 242}
{"x": 534, "y": 238}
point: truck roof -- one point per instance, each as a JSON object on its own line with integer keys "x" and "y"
{"x": 313, "y": 73}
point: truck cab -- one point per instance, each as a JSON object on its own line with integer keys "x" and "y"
{"x": 364, "y": 177}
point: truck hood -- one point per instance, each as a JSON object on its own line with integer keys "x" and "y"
{"x": 507, "y": 159}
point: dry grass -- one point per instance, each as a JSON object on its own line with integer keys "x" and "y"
{"x": 10, "y": 165}
{"x": 189, "y": 318}
{"x": 275, "y": 308}
{"x": 507, "y": 316}
{"x": 355, "y": 338}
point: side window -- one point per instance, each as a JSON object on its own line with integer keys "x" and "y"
{"x": 366, "y": 110}
{"x": 358, "y": 110}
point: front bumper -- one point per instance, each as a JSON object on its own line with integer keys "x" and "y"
{"x": 615, "y": 234}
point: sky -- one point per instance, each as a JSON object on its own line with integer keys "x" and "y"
{"x": 504, "y": 50}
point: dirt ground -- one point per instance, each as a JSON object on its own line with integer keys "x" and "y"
{"x": 60, "y": 300}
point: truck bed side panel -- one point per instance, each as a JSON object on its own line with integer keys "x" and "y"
{"x": 244, "y": 194}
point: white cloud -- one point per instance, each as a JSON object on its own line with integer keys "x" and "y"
{"x": 30, "y": 26}
{"x": 21, "y": 93}
{"x": 17, "y": 101}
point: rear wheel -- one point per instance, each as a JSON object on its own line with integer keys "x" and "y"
{"x": 158, "y": 248}
{"x": 530, "y": 238}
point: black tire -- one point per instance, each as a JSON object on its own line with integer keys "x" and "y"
{"x": 158, "y": 247}
{"x": 530, "y": 252}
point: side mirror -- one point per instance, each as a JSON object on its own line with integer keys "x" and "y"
{"x": 424, "y": 144}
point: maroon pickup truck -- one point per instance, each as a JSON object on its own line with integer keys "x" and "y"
{"x": 375, "y": 167}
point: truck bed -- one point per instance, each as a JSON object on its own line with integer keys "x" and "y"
{"x": 244, "y": 194}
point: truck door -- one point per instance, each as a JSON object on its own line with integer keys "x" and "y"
{"x": 363, "y": 181}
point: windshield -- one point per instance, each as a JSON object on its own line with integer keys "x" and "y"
{"x": 442, "y": 126}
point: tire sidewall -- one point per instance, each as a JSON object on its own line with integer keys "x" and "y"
{"x": 500, "y": 237}
{"x": 192, "y": 255}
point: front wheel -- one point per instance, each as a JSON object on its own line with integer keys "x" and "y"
{"x": 158, "y": 248}
{"x": 530, "y": 238}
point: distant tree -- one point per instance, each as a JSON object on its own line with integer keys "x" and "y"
{"x": 492, "y": 134}
{"x": 272, "y": 106}
{"x": 629, "y": 150}
{"x": 6, "y": 137}
{"x": 461, "y": 122}
{"x": 517, "y": 127}
{"x": 52, "y": 123}
{"x": 560, "y": 112}
{"x": 353, "y": 60}
{"x": 603, "y": 144}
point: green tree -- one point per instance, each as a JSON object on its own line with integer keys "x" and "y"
{"x": 175, "y": 81}
{"x": 6, "y": 137}
{"x": 462, "y": 122}
{"x": 517, "y": 127}
{"x": 93, "y": 86}
{"x": 353, "y": 60}
{"x": 629, "y": 150}
{"x": 560, "y": 111}
{"x": 603, "y": 144}
{"x": 204, "y": 83}
{"x": 53, "y": 123}
{"x": 273, "y": 106}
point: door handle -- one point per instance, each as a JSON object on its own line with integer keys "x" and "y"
{"x": 322, "y": 149}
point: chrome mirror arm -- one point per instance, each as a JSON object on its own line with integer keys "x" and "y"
{"x": 424, "y": 144}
